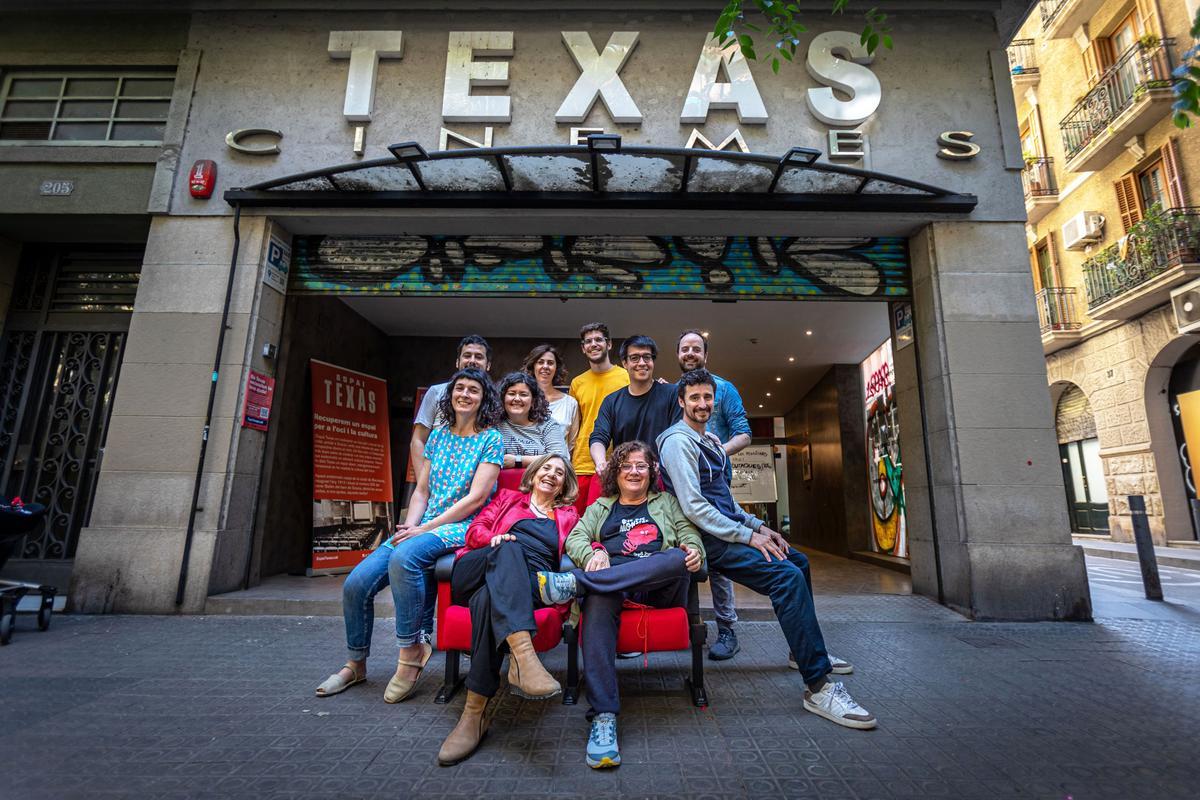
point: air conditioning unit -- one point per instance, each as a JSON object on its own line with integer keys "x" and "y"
{"x": 1084, "y": 229}
{"x": 1185, "y": 301}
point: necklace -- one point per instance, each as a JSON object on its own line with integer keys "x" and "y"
{"x": 537, "y": 510}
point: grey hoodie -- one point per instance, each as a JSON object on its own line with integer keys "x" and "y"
{"x": 694, "y": 471}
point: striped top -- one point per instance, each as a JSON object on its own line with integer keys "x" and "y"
{"x": 534, "y": 440}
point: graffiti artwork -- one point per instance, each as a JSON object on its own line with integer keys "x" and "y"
{"x": 884, "y": 465}
{"x": 655, "y": 266}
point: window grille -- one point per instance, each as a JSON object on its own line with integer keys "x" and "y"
{"x": 85, "y": 107}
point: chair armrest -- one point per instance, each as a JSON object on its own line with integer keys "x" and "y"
{"x": 443, "y": 567}
{"x": 566, "y": 564}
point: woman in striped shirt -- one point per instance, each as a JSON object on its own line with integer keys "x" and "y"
{"x": 527, "y": 428}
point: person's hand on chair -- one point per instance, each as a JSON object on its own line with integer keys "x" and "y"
{"x": 693, "y": 560}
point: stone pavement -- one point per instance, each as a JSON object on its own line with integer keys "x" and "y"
{"x": 222, "y": 707}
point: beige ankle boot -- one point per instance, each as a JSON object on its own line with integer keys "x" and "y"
{"x": 467, "y": 734}
{"x": 526, "y": 675}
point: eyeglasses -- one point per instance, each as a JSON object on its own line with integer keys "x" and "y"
{"x": 639, "y": 358}
{"x": 639, "y": 466}
{"x": 595, "y": 340}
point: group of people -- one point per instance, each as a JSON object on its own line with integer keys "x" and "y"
{"x": 654, "y": 460}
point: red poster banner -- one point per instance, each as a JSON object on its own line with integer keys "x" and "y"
{"x": 352, "y": 467}
{"x": 260, "y": 392}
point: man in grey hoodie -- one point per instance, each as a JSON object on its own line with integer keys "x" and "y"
{"x": 748, "y": 552}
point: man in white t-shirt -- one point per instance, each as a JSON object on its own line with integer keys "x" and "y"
{"x": 473, "y": 351}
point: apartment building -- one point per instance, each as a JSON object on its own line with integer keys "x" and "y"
{"x": 1109, "y": 184}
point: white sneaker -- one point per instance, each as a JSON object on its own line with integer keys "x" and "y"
{"x": 835, "y": 704}
{"x": 838, "y": 666}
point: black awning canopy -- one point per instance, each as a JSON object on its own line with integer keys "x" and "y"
{"x": 601, "y": 174}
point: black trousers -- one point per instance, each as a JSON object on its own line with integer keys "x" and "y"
{"x": 660, "y": 580}
{"x": 495, "y": 583}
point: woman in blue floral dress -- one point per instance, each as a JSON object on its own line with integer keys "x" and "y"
{"x": 455, "y": 479}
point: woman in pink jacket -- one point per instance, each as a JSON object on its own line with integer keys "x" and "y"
{"x": 514, "y": 536}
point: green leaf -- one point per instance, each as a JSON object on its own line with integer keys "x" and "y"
{"x": 887, "y": 42}
{"x": 786, "y": 54}
{"x": 872, "y": 42}
{"x": 749, "y": 53}
{"x": 775, "y": 65}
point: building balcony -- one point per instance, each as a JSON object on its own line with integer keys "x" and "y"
{"x": 1040, "y": 187}
{"x": 1130, "y": 97}
{"x": 1138, "y": 273}
{"x": 1061, "y": 18}
{"x": 1022, "y": 63}
{"x": 1058, "y": 317}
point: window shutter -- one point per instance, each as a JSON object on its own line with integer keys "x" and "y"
{"x": 1052, "y": 246}
{"x": 1176, "y": 195}
{"x": 1091, "y": 63}
{"x": 1037, "y": 269}
{"x": 1127, "y": 201}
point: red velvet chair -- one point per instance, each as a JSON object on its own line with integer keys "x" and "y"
{"x": 659, "y": 630}
{"x": 454, "y": 622}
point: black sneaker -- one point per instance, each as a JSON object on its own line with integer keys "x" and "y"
{"x": 726, "y": 646}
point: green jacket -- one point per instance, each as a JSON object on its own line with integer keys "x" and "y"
{"x": 664, "y": 510}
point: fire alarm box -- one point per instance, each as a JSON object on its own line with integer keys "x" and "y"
{"x": 202, "y": 179}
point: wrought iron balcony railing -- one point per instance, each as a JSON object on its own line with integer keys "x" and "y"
{"x": 1022, "y": 59}
{"x": 1056, "y": 309}
{"x": 1037, "y": 179}
{"x": 1050, "y": 9}
{"x": 1164, "y": 239}
{"x": 1145, "y": 66}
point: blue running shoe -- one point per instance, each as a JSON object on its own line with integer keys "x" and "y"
{"x": 726, "y": 646}
{"x": 556, "y": 588}
{"x": 602, "y": 750}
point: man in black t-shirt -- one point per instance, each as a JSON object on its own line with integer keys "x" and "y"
{"x": 638, "y": 412}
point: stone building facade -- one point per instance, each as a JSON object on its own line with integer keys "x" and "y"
{"x": 1109, "y": 186}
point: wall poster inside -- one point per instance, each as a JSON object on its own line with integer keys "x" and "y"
{"x": 884, "y": 465}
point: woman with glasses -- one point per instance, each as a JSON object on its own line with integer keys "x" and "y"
{"x": 545, "y": 364}
{"x": 633, "y": 542}
{"x": 527, "y": 428}
{"x": 454, "y": 479}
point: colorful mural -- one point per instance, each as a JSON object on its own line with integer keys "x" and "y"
{"x": 884, "y": 465}
{"x": 657, "y": 266}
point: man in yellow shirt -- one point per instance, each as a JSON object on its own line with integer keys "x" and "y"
{"x": 589, "y": 389}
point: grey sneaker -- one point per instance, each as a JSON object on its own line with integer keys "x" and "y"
{"x": 556, "y": 588}
{"x": 835, "y": 704}
{"x": 602, "y": 750}
{"x": 838, "y": 666}
{"x": 726, "y": 645}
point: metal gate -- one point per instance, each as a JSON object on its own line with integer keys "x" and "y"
{"x": 59, "y": 362}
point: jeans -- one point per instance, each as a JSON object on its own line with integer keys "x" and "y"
{"x": 409, "y": 569}
{"x": 496, "y": 584}
{"x": 787, "y": 584}
{"x": 660, "y": 580}
{"x": 722, "y": 597}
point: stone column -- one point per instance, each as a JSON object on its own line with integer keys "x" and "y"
{"x": 994, "y": 486}
{"x": 129, "y": 557}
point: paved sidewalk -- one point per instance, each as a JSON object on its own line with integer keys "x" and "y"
{"x": 1180, "y": 557}
{"x": 191, "y": 707}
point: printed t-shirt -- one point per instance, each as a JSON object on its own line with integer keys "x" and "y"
{"x": 452, "y": 464}
{"x": 589, "y": 389}
{"x": 630, "y": 532}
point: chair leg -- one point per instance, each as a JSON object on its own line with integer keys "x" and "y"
{"x": 453, "y": 681}
{"x": 695, "y": 683}
{"x": 571, "y": 690}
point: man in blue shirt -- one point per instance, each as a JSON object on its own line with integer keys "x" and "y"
{"x": 729, "y": 424}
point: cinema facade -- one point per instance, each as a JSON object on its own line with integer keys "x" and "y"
{"x": 260, "y": 190}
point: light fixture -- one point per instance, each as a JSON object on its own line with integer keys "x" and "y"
{"x": 408, "y": 151}
{"x": 760, "y": 405}
{"x": 801, "y": 155}
{"x": 808, "y": 333}
{"x": 704, "y": 334}
{"x": 777, "y": 378}
{"x": 606, "y": 142}
{"x": 768, "y": 394}
{"x": 791, "y": 359}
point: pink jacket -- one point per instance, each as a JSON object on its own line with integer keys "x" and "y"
{"x": 508, "y": 508}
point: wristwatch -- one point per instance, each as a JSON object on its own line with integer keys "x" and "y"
{"x": 519, "y": 461}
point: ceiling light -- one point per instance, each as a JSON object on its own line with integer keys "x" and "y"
{"x": 704, "y": 334}
{"x": 760, "y": 405}
{"x": 768, "y": 394}
{"x": 808, "y": 333}
{"x": 778, "y": 378}
{"x": 791, "y": 359}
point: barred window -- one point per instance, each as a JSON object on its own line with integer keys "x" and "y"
{"x": 85, "y": 107}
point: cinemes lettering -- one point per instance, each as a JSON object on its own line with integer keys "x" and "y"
{"x": 350, "y": 393}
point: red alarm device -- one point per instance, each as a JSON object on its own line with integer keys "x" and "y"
{"x": 202, "y": 178}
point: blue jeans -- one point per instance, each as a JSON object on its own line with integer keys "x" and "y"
{"x": 787, "y": 584}
{"x": 722, "y": 597}
{"x": 409, "y": 569}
